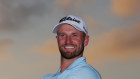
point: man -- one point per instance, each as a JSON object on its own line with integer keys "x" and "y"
{"x": 72, "y": 37}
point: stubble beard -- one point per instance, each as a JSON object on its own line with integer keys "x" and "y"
{"x": 69, "y": 55}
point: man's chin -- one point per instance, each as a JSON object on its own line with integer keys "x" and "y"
{"x": 67, "y": 55}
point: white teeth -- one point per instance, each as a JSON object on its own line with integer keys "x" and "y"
{"x": 69, "y": 47}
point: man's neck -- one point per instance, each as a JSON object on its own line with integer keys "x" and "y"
{"x": 65, "y": 63}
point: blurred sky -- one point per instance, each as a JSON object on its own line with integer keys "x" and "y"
{"x": 28, "y": 48}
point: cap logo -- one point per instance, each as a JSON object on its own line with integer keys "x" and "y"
{"x": 69, "y": 18}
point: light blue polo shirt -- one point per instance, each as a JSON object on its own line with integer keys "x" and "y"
{"x": 79, "y": 69}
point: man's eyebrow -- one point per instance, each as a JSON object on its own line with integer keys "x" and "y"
{"x": 60, "y": 33}
{"x": 74, "y": 33}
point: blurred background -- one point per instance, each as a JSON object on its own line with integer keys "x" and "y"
{"x": 28, "y": 48}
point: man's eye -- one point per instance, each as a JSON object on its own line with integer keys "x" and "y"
{"x": 62, "y": 35}
{"x": 75, "y": 35}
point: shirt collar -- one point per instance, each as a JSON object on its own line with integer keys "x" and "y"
{"x": 75, "y": 63}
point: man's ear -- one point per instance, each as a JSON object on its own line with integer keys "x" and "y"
{"x": 86, "y": 40}
{"x": 56, "y": 37}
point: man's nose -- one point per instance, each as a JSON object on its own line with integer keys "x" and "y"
{"x": 68, "y": 40}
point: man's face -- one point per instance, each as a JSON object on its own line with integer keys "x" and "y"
{"x": 71, "y": 42}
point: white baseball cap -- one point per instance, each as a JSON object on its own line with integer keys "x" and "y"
{"x": 74, "y": 21}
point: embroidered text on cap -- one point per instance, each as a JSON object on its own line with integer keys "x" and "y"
{"x": 69, "y": 18}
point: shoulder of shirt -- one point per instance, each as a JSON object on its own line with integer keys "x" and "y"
{"x": 84, "y": 71}
{"x": 48, "y": 76}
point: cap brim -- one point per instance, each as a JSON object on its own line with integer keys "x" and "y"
{"x": 55, "y": 29}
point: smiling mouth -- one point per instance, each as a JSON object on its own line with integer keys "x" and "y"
{"x": 69, "y": 47}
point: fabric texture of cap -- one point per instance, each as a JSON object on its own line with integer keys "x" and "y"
{"x": 74, "y": 21}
